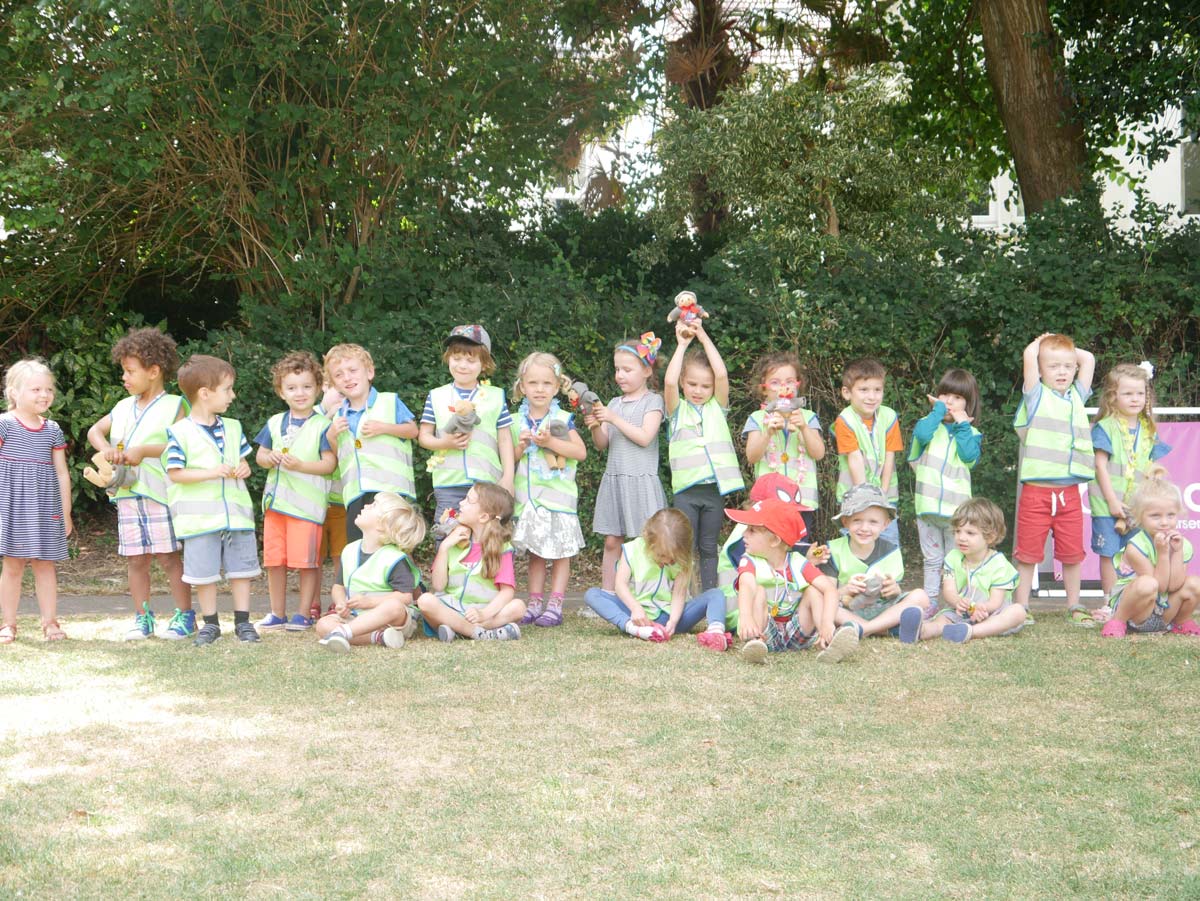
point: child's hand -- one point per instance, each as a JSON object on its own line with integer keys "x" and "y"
{"x": 817, "y": 554}
{"x": 460, "y": 534}
{"x": 889, "y": 587}
{"x": 774, "y": 422}
{"x": 276, "y": 457}
{"x": 472, "y": 615}
{"x": 796, "y": 420}
{"x": 459, "y": 440}
{"x": 540, "y": 438}
{"x": 342, "y": 609}
{"x": 524, "y": 439}
{"x": 371, "y": 428}
{"x": 241, "y": 471}
{"x": 684, "y": 333}
{"x": 747, "y": 632}
{"x": 289, "y": 461}
{"x": 221, "y": 471}
{"x": 601, "y": 414}
{"x": 68, "y": 524}
{"x": 981, "y": 613}
{"x": 638, "y": 616}
{"x": 1161, "y": 540}
{"x": 133, "y": 456}
{"x": 857, "y": 585}
{"x": 340, "y": 424}
{"x": 1176, "y": 542}
{"x": 114, "y": 456}
{"x": 825, "y": 633}
{"x": 669, "y": 629}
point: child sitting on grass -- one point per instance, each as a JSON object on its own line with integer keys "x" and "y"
{"x": 979, "y": 581}
{"x": 784, "y": 602}
{"x": 1154, "y": 592}
{"x": 377, "y": 578}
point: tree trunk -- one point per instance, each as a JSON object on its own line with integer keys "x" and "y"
{"x": 1027, "y": 71}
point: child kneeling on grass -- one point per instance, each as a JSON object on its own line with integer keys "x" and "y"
{"x": 473, "y": 578}
{"x": 376, "y": 578}
{"x": 654, "y": 571}
{"x": 978, "y": 581}
{"x": 784, "y": 602}
{"x": 1154, "y": 593}
{"x": 868, "y": 569}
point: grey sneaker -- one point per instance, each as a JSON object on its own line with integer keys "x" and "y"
{"x": 755, "y": 651}
{"x": 445, "y": 633}
{"x": 844, "y": 642}
{"x": 246, "y": 633}
{"x": 393, "y": 638}
{"x": 336, "y": 642}
{"x": 510, "y": 632}
{"x": 208, "y": 633}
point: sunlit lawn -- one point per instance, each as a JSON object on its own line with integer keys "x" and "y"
{"x": 577, "y": 763}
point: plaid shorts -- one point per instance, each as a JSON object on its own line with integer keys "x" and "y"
{"x": 787, "y": 635}
{"x": 144, "y": 527}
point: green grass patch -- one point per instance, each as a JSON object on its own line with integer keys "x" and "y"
{"x": 579, "y": 764}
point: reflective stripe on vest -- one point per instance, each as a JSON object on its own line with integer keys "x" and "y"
{"x": 701, "y": 450}
{"x": 1056, "y": 440}
{"x": 976, "y": 584}
{"x": 214, "y": 505}
{"x": 292, "y": 493}
{"x": 130, "y": 429}
{"x": 381, "y": 463}
{"x": 650, "y": 583}
{"x": 873, "y": 445}
{"x": 480, "y": 460}
{"x": 466, "y": 581}
{"x": 798, "y": 465}
{"x": 849, "y": 565}
{"x": 370, "y": 577}
{"x": 532, "y": 485}
{"x": 943, "y": 480}
{"x": 1118, "y": 466}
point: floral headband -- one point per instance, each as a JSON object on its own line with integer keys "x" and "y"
{"x": 646, "y": 349}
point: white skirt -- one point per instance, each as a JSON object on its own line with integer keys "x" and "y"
{"x": 550, "y": 535}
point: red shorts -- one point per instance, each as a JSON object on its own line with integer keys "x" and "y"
{"x": 290, "y": 542}
{"x": 1042, "y": 510}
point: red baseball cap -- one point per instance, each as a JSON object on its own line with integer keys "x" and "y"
{"x": 780, "y": 487}
{"x": 781, "y": 518}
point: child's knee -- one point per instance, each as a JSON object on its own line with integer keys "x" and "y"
{"x": 1190, "y": 590}
{"x": 427, "y": 601}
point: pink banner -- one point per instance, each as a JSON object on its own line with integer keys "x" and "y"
{"x": 1183, "y": 462}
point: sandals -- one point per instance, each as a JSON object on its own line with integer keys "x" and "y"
{"x": 52, "y": 631}
{"x": 8, "y": 634}
{"x": 1081, "y": 616}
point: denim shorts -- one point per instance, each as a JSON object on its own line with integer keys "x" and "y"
{"x": 1106, "y": 540}
{"x": 204, "y": 556}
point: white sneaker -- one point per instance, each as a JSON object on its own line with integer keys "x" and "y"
{"x": 755, "y": 651}
{"x": 393, "y": 638}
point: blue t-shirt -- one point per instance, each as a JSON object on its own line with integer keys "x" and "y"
{"x": 503, "y": 421}
{"x": 1101, "y": 442}
{"x": 176, "y": 459}
{"x": 403, "y": 414}
{"x": 290, "y": 426}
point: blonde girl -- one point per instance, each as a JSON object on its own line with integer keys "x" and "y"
{"x": 35, "y": 496}
{"x": 788, "y": 444}
{"x": 473, "y": 582}
{"x": 649, "y": 596}
{"x": 1154, "y": 592}
{"x": 376, "y": 578}
{"x": 631, "y": 491}
{"x": 547, "y": 500}
{"x": 1125, "y": 440}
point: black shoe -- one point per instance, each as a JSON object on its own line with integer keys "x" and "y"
{"x": 245, "y": 632}
{"x": 208, "y": 633}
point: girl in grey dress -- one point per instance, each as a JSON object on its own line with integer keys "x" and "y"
{"x": 631, "y": 491}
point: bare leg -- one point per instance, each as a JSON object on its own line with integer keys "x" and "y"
{"x": 207, "y": 596}
{"x": 1024, "y": 583}
{"x": 241, "y": 595}
{"x": 509, "y": 613}
{"x": 310, "y": 589}
{"x": 537, "y": 575}
{"x": 1108, "y": 576}
{"x": 891, "y": 616}
{"x": 560, "y": 573}
{"x": 1137, "y": 600}
{"x": 438, "y": 614}
{"x": 1072, "y": 579}
{"x": 139, "y": 580}
{"x": 45, "y": 584}
{"x": 181, "y": 591}
{"x": 10, "y": 588}
{"x": 608, "y": 566}
{"x": 1000, "y": 622}
{"x": 277, "y": 590}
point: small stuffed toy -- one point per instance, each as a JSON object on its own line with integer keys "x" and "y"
{"x": 446, "y": 523}
{"x": 107, "y": 476}
{"x": 784, "y": 403}
{"x": 556, "y": 429}
{"x": 582, "y": 398}
{"x": 872, "y": 585}
{"x": 686, "y": 308}
{"x": 465, "y": 419}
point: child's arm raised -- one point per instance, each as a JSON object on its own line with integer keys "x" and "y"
{"x": 621, "y": 589}
{"x": 439, "y": 573}
{"x": 1086, "y": 361}
{"x": 63, "y": 472}
{"x": 720, "y": 373}
{"x": 1177, "y": 567}
{"x": 683, "y": 338}
{"x": 1029, "y": 363}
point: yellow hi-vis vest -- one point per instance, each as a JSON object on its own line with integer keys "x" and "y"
{"x": 1056, "y": 441}
{"x": 292, "y": 493}
{"x": 873, "y": 445}
{"x": 943, "y": 479}
{"x": 480, "y": 460}
{"x": 466, "y": 581}
{"x": 792, "y": 460}
{"x": 1120, "y": 468}
{"x": 700, "y": 449}
{"x": 533, "y": 485}
{"x": 129, "y": 429}
{"x": 214, "y": 505}
{"x": 649, "y": 582}
{"x": 382, "y": 463}
{"x": 370, "y": 577}
{"x": 783, "y": 594}
{"x": 849, "y": 565}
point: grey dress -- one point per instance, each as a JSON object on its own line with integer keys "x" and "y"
{"x": 631, "y": 491}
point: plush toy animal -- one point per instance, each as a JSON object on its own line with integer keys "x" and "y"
{"x": 582, "y": 397}
{"x": 556, "y": 429}
{"x": 784, "y": 403}
{"x": 465, "y": 419}
{"x": 686, "y": 308}
{"x": 872, "y": 585}
{"x": 107, "y": 476}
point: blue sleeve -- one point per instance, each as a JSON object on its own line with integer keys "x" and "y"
{"x": 1085, "y": 395}
{"x": 504, "y": 420}
{"x": 571, "y": 422}
{"x": 967, "y": 441}
{"x": 1160, "y": 449}
{"x": 263, "y": 438}
{"x": 750, "y": 426}
{"x": 927, "y": 427}
{"x": 1100, "y": 440}
{"x": 325, "y": 445}
{"x": 175, "y": 457}
{"x": 403, "y": 413}
{"x": 244, "y": 450}
{"x": 427, "y": 413}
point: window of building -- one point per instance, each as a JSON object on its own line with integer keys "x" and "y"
{"x": 1191, "y": 177}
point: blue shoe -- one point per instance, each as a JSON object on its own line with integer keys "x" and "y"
{"x": 297, "y": 623}
{"x": 181, "y": 626}
{"x": 272, "y": 623}
{"x": 143, "y": 625}
{"x": 911, "y": 619}
{"x": 957, "y": 632}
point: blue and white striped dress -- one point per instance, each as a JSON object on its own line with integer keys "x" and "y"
{"x": 31, "y": 514}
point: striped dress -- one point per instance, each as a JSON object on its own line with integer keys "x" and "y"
{"x": 31, "y": 514}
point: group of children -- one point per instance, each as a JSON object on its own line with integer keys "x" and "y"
{"x": 340, "y": 481}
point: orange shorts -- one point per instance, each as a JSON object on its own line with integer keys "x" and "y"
{"x": 333, "y": 533}
{"x": 290, "y": 542}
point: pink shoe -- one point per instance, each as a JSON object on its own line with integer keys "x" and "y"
{"x": 715, "y": 641}
{"x": 657, "y": 632}
{"x": 1187, "y": 627}
{"x": 1114, "y": 628}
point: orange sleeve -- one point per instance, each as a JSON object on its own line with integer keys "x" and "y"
{"x": 894, "y": 440}
{"x": 846, "y": 442}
